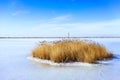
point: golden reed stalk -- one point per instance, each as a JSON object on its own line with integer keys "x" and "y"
{"x": 72, "y": 51}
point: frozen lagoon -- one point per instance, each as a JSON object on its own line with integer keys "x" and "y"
{"x": 14, "y": 64}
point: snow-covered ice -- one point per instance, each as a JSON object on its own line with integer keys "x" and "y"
{"x": 15, "y": 65}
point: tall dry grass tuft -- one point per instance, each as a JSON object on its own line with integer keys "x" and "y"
{"x": 72, "y": 51}
{"x": 42, "y": 51}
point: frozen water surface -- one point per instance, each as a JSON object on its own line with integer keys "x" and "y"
{"x": 14, "y": 64}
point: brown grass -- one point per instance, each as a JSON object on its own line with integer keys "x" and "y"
{"x": 72, "y": 51}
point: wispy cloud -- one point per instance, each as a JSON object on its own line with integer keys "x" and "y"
{"x": 19, "y": 12}
{"x": 60, "y": 26}
{"x": 57, "y": 19}
{"x": 61, "y": 18}
{"x": 103, "y": 28}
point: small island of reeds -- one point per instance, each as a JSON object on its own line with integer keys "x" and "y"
{"x": 66, "y": 51}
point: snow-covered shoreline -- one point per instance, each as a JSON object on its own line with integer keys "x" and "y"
{"x": 59, "y": 64}
{"x": 48, "y": 62}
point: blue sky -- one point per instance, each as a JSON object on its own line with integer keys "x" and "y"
{"x": 58, "y": 17}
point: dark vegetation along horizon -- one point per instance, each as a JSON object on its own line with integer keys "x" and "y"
{"x": 71, "y": 51}
{"x": 30, "y": 37}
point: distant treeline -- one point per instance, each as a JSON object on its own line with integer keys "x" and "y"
{"x": 57, "y": 37}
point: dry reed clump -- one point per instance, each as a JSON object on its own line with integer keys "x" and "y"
{"x": 72, "y": 51}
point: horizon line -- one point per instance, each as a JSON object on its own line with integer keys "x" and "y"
{"x": 21, "y": 37}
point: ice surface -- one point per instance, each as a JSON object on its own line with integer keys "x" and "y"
{"x": 14, "y": 64}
